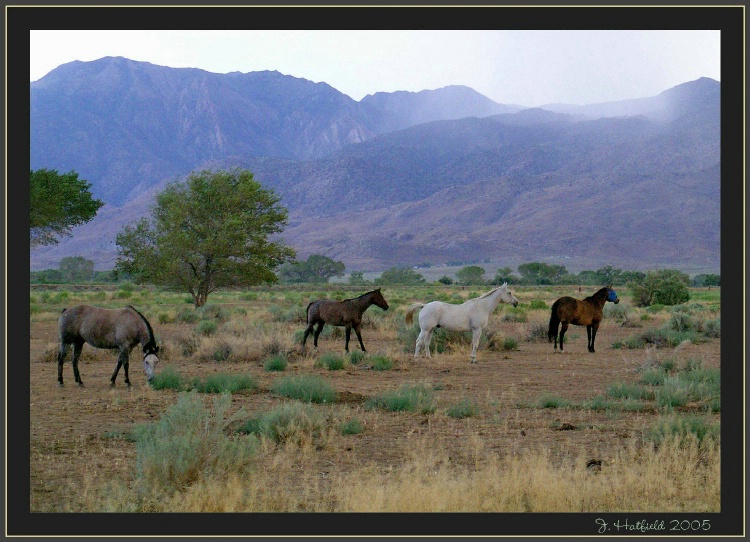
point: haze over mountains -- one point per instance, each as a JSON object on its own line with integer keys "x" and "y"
{"x": 397, "y": 178}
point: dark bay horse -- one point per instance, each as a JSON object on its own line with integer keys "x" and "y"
{"x": 115, "y": 329}
{"x": 587, "y": 312}
{"x": 341, "y": 313}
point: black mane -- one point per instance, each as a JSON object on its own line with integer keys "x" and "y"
{"x": 151, "y": 339}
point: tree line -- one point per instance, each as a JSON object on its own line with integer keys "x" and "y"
{"x": 216, "y": 228}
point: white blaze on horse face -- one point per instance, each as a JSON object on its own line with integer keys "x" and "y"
{"x": 149, "y": 365}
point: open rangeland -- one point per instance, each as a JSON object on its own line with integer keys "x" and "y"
{"x": 631, "y": 427}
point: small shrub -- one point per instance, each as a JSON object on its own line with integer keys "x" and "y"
{"x": 222, "y": 352}
{"x": 683, "y": 429}
{"x": 623, "y": 390}
{"x": 536, "y": 304}
{"x": 188, "y": 344}
{"x": 332, "y": 362}
{"x": 654, "y": 377}
{"x": 351, "y": 427}
{"x": 309, "y": 388}
{"x": 672, "y": 393}
{"x": 509, "y": 344}
{"x": 381, "y": 363}
{"x": 552, "y": 401}
{"x": 356, "y": 356}
{"x": 409, "y": 397}
{"x": 276, "y": 363}
{"x": 189, "y": 444}
{"x": 168, "y": 379}
{"x": 465, "y": 408}
{"x": 294, "y": 423}
{"x": 224, "y": 383}
{"x": 537, "y": 332}
{"x": 206, "y": 327}
{"x": 515, "y": 314}
{"x": 188, "y": 316}
{"x": 122, "y": 294}
{"x": 681, "y": 321}
{"x": 210, "y": 311}
{"x": 164, "y": 318}
{"x": 712, "y": 328}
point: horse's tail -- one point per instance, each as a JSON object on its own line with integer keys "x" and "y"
{"x": 554, "y": 321}
{"x": 307, "y": 312}
{"x": 409, "y": 316}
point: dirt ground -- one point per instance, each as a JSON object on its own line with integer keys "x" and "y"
{"x": 72, "y": 427}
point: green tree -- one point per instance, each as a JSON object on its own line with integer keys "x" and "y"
{"x": 316, "y": 269}
{"x": 503, "y": 275}
{"x": 707, "y": 280}
{"x": 357, "y": 278}
{"x": 472, "y": 274}
{"x": 542, "y": 273}
{"x": 666, "y": 287}
{"x": 57, "y": 203}
{"x": 445, "y": 279}
{"x": 205, "y": 233}
{"x": 400, "y": 275}
{"x": 76, "y": 269}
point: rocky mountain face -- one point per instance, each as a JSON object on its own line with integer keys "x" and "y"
{"x": 397, "y": 178}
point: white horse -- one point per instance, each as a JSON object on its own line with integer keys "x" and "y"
{"x": 472, "y": 315}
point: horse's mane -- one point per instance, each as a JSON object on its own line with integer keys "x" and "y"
{"x": 487, "y": 294}
{"x": 361, "y": 296}
{"x": 601, "y": 291}
{"x": 151, "y": 338}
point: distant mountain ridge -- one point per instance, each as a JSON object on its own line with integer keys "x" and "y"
{"x": 397, "y": 178}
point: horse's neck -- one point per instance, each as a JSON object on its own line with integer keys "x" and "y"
{"x": 599, "y": 298}
{"x": 491, "y": 301}
{"x": 362, "y": 302}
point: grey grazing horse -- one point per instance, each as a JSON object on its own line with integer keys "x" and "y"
{"x": 115, "y": 329}
{"x": 341, "y": 313}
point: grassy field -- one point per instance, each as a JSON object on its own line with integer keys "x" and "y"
{"x": 241, "y": 418}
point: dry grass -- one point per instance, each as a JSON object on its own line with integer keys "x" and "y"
{"x": 672, "y": 478}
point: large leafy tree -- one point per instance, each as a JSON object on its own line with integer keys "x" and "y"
{"x": 316, "y": 269}
{"x": 76, "y": 269}
{"x": 472, "y": 274}
{"x": 58, "y": 202}
{"x": 400, "y": 275}
{"x": 205, "y": 233}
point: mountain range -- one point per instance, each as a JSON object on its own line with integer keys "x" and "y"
{"x": 396, "y": 179}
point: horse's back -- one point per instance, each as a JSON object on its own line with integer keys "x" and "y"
{"x": 576, "y": 311}
{"x": 102, "y": 328}
{"x": 329, "y": 311}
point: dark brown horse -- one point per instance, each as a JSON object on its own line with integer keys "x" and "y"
{"x": 115, "y": 329}
{"x": 587, "y": 312}
{"x": 341, "y": 313}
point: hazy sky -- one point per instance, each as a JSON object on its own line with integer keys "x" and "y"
{"x": 522, "y": 67}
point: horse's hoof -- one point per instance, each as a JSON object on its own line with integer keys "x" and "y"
{"x": 60, "y": 385}
{"x": 80, "y": 384}
{"x": 111, "y": 384}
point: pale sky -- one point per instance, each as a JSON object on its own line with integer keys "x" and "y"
{"x": 524, "y": 67}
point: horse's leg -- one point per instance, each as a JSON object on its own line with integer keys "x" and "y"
{"x": 77, "y": 347}
{"x": 60, "y": 361}
{"x": 307, "y": 333}
{"x": 594, "y": 328}
{"x": 427, "y": 342}
{"x": 563, "y": 329}
{"x": 588, "y": 336}
{"x": 125, "y": 365}
{"x": 420, "y": 342}
{"x": 120, "y": 361}
{"x": 317, "y": 333}
{"x": 348, "y": 334}
{"x": 476, "y": 334}
{"x": 359, "y": 336}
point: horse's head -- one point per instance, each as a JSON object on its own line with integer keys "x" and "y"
{"x": 379, "y": 300}
{"x": 506, "y": 296}
{"x": 612, "y": 295}
{"x": 150, "y": 359}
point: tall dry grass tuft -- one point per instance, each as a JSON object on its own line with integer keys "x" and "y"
{"x": 671, "y": 478}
